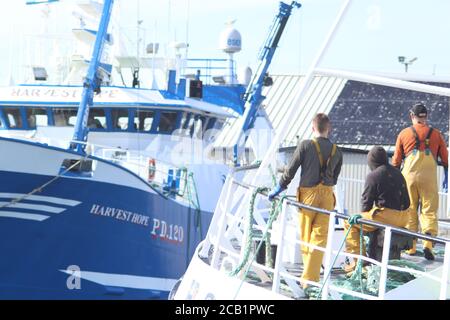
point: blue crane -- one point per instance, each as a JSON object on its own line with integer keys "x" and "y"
{"x": 92, "y": 81}
{"x": 253, "y": 96}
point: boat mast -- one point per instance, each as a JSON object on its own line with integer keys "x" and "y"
{"x": 253, "y": 96}
{"x": 91, "y": 83}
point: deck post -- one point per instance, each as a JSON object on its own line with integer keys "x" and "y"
{"x": 280, "y": 249}
{"x": 384, "y": 262}
{"x": 445, "y": 270}
{"x": 328, "y": 255}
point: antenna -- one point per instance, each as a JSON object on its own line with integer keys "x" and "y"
{"x": 402, "y": 60}
{"x": 188, "y": 13}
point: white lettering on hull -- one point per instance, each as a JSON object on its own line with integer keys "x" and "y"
{"x": 160, "y": 229}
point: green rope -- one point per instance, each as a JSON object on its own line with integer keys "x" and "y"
{"x": 352, "y": 221}
{"x": 272, "y": 174}
{"x": 189, "y": 189}
{"x": 273, "y": 216}
{"x": 250, "y": 232}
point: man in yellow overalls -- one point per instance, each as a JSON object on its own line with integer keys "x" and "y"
{"x": 420, "y": 146}
{"x": 321, "y": 163}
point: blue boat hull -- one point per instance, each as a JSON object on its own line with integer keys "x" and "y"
{"x": 126, "y": 242}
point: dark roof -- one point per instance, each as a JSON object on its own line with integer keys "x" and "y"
{"x": 371, "y": 114}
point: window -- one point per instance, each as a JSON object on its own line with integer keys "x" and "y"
{"x": 97, "y": 119}
{"x": 120, "y": 119}
{"x": 219, "y": 123}
{"x": 14, "y": 118}
{"x": 167, "y": 122}
{"x": 205, "y": 123}
{"x": 37, "y": 117}
{"x": 143, "y": 120}
{"x": 65, "y": 117}
{"x": 212, "y": 123}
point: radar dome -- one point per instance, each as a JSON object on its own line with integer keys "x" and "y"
{"x": 230, "y": 40}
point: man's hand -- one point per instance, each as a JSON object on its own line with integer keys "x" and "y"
{"x": 445, "y": 180}
{"x": 275, "y": 192}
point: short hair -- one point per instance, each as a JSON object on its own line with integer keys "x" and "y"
{"x": 321, "y": 122}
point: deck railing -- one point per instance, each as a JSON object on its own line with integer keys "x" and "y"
{"x": 230, "y": 226}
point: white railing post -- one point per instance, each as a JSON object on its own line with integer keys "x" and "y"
{"x": 222, "y": 207}
{"x": 328, "y": 255}
{"x": 279, "y": 256}
{"x": 384, "y": 262}
{"x": 445, "y": 270}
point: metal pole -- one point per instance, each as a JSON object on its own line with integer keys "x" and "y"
{"x": 384, "y": 262}
{"x": 384, "y": 81}
{"x": 222, "y": 223}
{"x": 328, "y": 255}
{"x": 445, "y": 271}
{"x": 91, "y": 81}
{"x": 280, "y": 249}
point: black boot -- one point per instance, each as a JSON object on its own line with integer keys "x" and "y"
{"x": 428, "y": 254}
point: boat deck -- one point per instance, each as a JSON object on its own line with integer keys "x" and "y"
{"x": 338, "y": 276}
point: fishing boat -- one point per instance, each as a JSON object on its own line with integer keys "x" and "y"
{"x": 252, "y": 248}
{"x": 106, "y": 188}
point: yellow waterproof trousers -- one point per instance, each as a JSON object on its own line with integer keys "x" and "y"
{"x": 384, "y": 215}
{"x": 420, "y": 172}
{"x": 314, "y": 227}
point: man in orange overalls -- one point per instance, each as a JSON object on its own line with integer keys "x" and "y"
{"x": 419, "y": 146}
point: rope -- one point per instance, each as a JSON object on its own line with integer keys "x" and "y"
{"x": 250, "y": 233}
{"x": 352, "y": 221}
{"x": 273, "y": 216}
{"x": 39, "y": 189}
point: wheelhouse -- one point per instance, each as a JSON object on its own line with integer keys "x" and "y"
{"x": 154, "y": 120}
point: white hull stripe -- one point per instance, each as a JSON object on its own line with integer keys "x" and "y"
{"x": 38, "y": 207}
{"x": 62, "y": 201}
{"x": 21, "y": 215}
{"x": 125, "y": 281}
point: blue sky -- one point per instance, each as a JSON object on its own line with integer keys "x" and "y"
{"x": 373, "y": 35}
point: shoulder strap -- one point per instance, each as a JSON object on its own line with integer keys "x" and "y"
{"x": 416, "y": 147}
{"x": 323, "y": 166}
{"x": 333, "y": 152}
{"x": 427, "y": 139}
{"x": 319, "y": 153}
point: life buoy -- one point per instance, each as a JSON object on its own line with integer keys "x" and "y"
{"x": 151, "y": 169}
